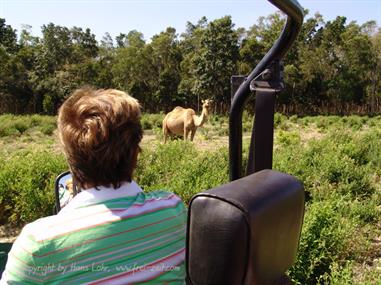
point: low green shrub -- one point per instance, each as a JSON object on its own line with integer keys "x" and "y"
{"x": 356, "y": 122}
{"x": 152, "y": 121}
{"x": 6, "y": 131}
{"x": 326, "y": 239}
{"x": 338, "y": 274}
{"x": 324, "y": 122}
{"x": 220, "y": 125}
{"x": 293, "y": 119}
{"x": 14, "y": 125}
{"x": 339, "y": 160}
{"x": 217, "y": 120}
{"x": 48, "y": 129}
{"x": 305, "y": 121}
{"x": 280, "y": 122}
{"x": 367, "y": 148}
{"x": 287, "y": 138}
{"x": 222, "y": 131}
{"x": 177, "y": 166}
{"x": 374, "y": 121}
{"x": 27, "y": 185}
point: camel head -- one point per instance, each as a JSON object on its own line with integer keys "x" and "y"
{"x": 207, "y": 105}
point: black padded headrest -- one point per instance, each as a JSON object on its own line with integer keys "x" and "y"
{"x": 246, "y": 231}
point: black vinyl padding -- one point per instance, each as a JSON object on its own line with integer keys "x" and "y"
{"x": 246, "y": 231}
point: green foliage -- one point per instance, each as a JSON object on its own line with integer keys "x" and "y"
{"x": 334, "y": 66}
{"x": 216, "y": 60}
{"x": 340, "y": 169}
{"x": 247, "y": 121}
{"x": 280, "y": 121}
{"x": 11, "y": 125}
{"x": 339, "y": 275}
{"x": 48, "y": 129}
{"x": 27, "y": 185}
{"x": 152, "y": 121}
{"x": 177, "y": 166}
{"x": 48, "y": 105}
{"x": 325, "y": 238}
{"x": 219, "y": 124}
{"x": 8, "y": 37}
{"x": 288, "y": 138}
{"x": 337, "y": 171}
{"x": 340, "y": 160}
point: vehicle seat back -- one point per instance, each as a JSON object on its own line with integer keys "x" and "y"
{"x": 246, "y": 231}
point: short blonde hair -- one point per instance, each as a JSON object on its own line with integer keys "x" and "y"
{"x": 100, "y": 132}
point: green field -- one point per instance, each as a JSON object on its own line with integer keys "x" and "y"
{"x": 337, "y": 158}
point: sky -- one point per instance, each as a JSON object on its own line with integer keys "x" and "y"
{"x": 153, "y": 16}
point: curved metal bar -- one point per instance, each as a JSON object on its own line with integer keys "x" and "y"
{"x": 289, "y": 33}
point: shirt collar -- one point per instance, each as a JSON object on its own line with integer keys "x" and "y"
{"x": 93, "y": 195}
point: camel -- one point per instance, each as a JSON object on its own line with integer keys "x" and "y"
{"x": 181, "y": 121}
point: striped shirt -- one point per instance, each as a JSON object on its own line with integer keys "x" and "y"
{"x": 105, "y": 236}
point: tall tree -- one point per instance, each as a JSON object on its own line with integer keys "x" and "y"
{"x": 107, "y": 41}
{"x": 190, "y": 47}
{"x": 8, "y": 37}
{"x": 84, "y": 44}
{"x": 217, "y": 60}
{"x": 166, "y": 56}
{"x": 131, "y": 70}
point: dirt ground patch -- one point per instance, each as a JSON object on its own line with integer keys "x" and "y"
{"x": 8, "y": 233}
{"x": 201, "y": 143}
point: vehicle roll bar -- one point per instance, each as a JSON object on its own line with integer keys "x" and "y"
{"x": 260, "y": 155}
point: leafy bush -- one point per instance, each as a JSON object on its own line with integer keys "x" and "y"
{"x": 339, "y": 161}
{"x": 305, "y": 121}
{"x": 338, "y": 274}
{"x": 287, "y": 138}
{"x": 325, "y": 239}
{"x": 280, "y": 121}
{"x": 294, "y": 118}
{"x": 177, "y": 166}
{"x": 151, "y": 121}
{"x": 11, "y": 125}
{"x": 355, "y": 122}
{"x": 374, "y": 121}
{"x": 48, "y": 129}
{"x": 27, "y": 185}
{"x": 220, "y": 125}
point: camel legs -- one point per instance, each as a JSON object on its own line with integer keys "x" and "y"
{"x": 165, "y": 132}
{"x": 192, "y": 135}
{"x": 186, "y": 133}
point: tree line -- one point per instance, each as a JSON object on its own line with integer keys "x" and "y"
{"x": 334, "y": 66}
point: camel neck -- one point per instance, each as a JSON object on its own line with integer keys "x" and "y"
{"x": 204, "y": 112}
{"x": 200, "y": 120}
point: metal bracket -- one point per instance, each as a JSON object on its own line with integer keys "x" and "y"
{"x": 271, "y": 78}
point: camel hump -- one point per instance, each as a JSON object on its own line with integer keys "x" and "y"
{"x": 181, "y": 111}
{"x": 191, "y": 111}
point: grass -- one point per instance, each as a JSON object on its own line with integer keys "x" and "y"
{"x": 14, "y": 125}
{"x": 338, "y": 159}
